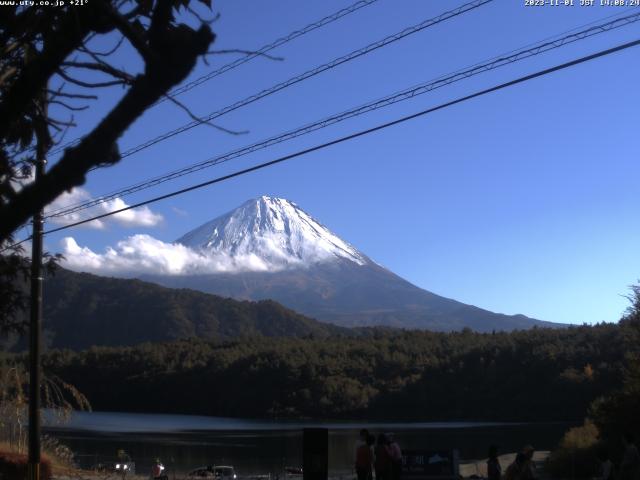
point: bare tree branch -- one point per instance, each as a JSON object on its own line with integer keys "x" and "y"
{"x": 127, "y": 30}
{"x": 10, "y": 48}
{"x": 108, "y": 53}
{"x": 59, "y": 44}
{"x": 103, "y": 67}
{"x": 7, "y": 74}
{"x": 202, "y": 120}
{"x": 201, "y": 19}
{"x": 67, "y": 106}
{"x": 52, "y": 121}
{"x": 81, "y": 83}
{"x": 172, "y": 52}
{"x": 61, "y": 137}
{"x": 55, "y": 94}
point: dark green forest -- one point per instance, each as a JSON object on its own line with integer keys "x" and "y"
{"x": 538, "y": 374}
{"x": 82, "y": 310}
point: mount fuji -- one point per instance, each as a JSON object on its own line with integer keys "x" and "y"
{"x": 275, "y": 250}
{"x": 271, "y": 234}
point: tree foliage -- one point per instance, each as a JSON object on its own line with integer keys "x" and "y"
{"x": 81, "y": 310}
{"x": 49, "y": 62}
{"x": 540, "y": 374}
{"x": 60, "y": 397}
{"x": 45, "y": 53}
{"x": 48, "y": 58}
{"x": 617, "y": 412}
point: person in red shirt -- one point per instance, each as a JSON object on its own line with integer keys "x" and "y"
{"x": 364, "y": 459}
{"x": 157, "y": 471}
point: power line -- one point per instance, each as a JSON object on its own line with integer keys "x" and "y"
{"x": 267, "y": 48}
{"x": 247, "y": 58}
{"x": 361, "y": 133}
{"x": 322, "y": 146}
{"x": 385, "y": 101}
{"x": 310, "y": 73}
{"x": 232, "y": 65}
{"x": 495, "y": 62}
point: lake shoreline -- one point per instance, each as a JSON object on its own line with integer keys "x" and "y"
{"x": 259, "y": 447}
{"x": 468, "y": 469}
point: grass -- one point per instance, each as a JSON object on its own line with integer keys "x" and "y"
{"x": 56, "y": 464}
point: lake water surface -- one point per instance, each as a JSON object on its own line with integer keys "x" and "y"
{"x": 184, "y": 442}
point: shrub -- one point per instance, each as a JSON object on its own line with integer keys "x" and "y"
{"x": 575, "y": 456}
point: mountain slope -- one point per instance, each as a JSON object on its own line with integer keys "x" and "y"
{"x": 268, "y": 234}
{"x": 81, "y": 310}
{"x": 280, "y": 252}
{"x": 350, "y": 296}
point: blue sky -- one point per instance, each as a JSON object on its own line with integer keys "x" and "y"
{"x": 522, "y": 201}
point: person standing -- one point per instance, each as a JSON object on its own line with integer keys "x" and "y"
{"x": 361, "y": 440}
{"x": 157, "y": 471}
{"x": 528, "y": 471}
{"x": 515, "y": 471}
{"x": 494, "y": 470}
{"x": 395, "y": 453}
{"x": 382, "y": 460}
{"x": 364, "y": 459}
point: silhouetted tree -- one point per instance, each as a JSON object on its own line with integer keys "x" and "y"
{"x": 48, "y": 57}
{"x": 43, "y": 45}
{"x": 618, "y": 411}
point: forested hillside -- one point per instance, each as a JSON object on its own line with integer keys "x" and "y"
{"x": 82, "y": 310}
{"x": 540, "y": 374}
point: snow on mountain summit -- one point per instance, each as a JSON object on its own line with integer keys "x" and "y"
{"x": 271, "y": 233}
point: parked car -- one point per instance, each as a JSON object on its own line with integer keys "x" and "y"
{"x": 221, "y": 472}
{"x": 122, "y": 464}
{"x": 124, "y": 467}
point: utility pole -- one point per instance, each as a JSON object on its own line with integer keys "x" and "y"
{"x": 35, "y": 325}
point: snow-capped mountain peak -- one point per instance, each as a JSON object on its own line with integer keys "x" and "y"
{"x": 268, "y": 233}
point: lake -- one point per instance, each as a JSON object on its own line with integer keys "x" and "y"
{"x": 184, "y": 442}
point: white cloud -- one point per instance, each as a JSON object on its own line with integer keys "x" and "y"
{"x": 69, "y": 199}
{"x": 137, "y": 217}
{"x": 143, "y": 254}
{"x": 180, "y": 212}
